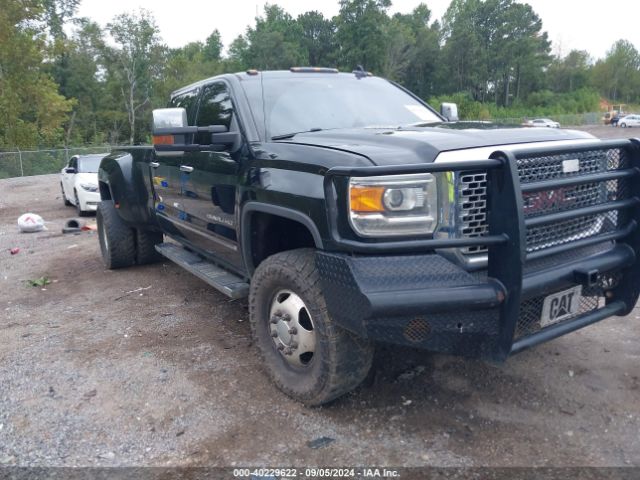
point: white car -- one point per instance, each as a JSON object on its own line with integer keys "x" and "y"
{"x": 629, "y": 121}
{"x": 542, "y": 122}
{"x": 79, "y": 182}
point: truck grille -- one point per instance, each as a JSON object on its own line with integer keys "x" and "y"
{"x": 472, "y": 198}
{"x": 472, "y": 203}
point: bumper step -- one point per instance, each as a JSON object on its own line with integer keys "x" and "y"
{"x": 219, "y": 278}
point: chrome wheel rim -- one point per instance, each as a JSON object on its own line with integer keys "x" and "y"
{"x": 292, "y": 329}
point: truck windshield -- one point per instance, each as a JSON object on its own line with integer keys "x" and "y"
{"x": 307, "y": 103}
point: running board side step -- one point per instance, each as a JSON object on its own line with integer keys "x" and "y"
{"x": 219, "y": 278}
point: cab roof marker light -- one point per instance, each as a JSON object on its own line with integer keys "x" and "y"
{"x": 252, "y": 72}
{"x": 313, "y": 70}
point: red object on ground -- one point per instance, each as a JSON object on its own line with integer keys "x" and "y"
{"x": 14, "y": 251}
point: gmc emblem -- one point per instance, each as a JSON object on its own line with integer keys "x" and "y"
{"x": 547, "y": 200}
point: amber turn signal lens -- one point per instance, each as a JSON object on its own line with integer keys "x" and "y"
{"x": 366, "y": 199}
{"x": 163, "y": 140}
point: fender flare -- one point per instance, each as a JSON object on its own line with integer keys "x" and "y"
{"x": 118, "y": 179}
{"x": 278, "y": 211}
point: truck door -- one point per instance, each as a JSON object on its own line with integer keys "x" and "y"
{"x": 208, "y": 181}
{"x": 165, "y": 173}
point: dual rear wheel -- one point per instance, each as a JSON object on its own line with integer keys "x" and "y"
{"x": 122, "y": 246}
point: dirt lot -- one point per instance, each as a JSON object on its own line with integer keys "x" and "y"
{"x": 149, "y": 366}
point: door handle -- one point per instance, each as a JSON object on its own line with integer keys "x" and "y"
{"x": 186, "y": 168}
{"x": 154, "y": 164}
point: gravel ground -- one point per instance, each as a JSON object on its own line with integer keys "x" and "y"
{"x": 149, "y": 367}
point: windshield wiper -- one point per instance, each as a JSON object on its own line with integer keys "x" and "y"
{"x": 291, "y": 135}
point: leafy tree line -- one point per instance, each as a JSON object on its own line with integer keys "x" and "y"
{"x": 67, "y": 81}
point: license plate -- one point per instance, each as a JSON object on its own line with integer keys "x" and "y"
{"x": 561, "y": 305}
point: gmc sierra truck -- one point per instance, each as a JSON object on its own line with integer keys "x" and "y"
{"x": 350, "y": 212}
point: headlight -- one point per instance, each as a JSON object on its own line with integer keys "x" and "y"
{"x": 89, "y": 187}
{"x": 393, "y": 205}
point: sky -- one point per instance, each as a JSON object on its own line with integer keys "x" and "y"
{"x": 591, "y": 25}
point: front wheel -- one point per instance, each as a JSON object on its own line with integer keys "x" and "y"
{"x": 67, "y": 203}
{"x": 306, "y": 354}
{"x": 623, "y": 125}
{"x": 81, "y": 213}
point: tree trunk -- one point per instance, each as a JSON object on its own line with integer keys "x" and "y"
{"x": 506, "y": 89}
{"x": 70, "y": 129}
{"x": 132, "y": 114}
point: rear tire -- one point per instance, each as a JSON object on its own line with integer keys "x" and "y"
{"x": 117, "y": 240}
{"x": 146, "y": 241}
{"x": 339, "y": 361}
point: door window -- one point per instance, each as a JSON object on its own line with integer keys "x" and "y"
{"x": 188, "y": 101}
{"x": 215, "y": 106}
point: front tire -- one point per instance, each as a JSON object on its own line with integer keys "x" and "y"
{"x": 117, "y": 240}
{"x": 81, "y": 213}
{"x": 67, "y": 203}
{"x": 623, "y": 125}
{"x": 306, "y": 354}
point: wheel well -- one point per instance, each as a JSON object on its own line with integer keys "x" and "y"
{"x": 271, "y": 234}
{"x": 105, "y": 193}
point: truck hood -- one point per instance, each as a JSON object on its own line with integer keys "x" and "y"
{"x": 398, "y": 146}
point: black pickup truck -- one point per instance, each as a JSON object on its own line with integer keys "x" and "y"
{"x": 351, "y": 212}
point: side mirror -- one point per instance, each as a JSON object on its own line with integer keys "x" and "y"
{"x": 449, "y": 111}
{"x": 168, "y": 119}
{"x": 70, "y": 170}
{"x": 172, "y": 136}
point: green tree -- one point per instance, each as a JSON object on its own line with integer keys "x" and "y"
{"x": 238, "y": 55}
{"x": 274, "y": 43}
{"x": 570, "y": 73}
{"x": 31, "y": 109}
{"x": 80, "y": 75}
{"x": 494, "y": 47}
{"x": 362, "y": 33}
{"x": 212, "y": 49}
{"x": 617, "y": 76}
{"x": 134, "y": 63}
{"x": 317, "y": 38}
{"x": 465, "y": 50}
{"x": 183, "y": 66}
{"x": 413, "y": 51}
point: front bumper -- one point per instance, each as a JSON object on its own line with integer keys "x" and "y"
{"x": 405, "y": 293}
{"x": 428, "y": 302}
{"x": 88, "y": 200}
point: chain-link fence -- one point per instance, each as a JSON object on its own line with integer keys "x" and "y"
{"x": 39, "y": 162}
